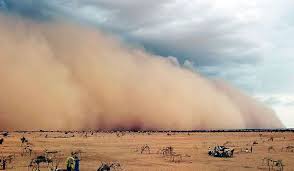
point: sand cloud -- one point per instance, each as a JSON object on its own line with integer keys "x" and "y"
{"x": 65, "y": 76}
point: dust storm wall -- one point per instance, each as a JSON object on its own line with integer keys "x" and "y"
{"x": 57, "y": 75}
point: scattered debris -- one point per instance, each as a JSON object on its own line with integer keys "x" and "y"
{"x": 5, "y": 134}
{"x": 247, "y": 150}
{"x": 58, "y": 169}
{"x": 35, "y": 163}
{"x": 109, "y": 166}
{"x": 221, "y": 151}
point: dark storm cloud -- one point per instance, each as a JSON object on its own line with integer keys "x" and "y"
{"x": 36, "y": 9}
{"x": 173, "y": 28}
{"x": 188, "y": 30}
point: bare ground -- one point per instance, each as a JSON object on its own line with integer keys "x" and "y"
{"x": 125, "y": 149}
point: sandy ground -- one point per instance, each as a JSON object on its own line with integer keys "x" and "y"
{"x": 125, "y": 149}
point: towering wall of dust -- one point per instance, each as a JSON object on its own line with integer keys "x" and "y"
{"x": 253, "y": 112}
{"x": 63, "y": 76}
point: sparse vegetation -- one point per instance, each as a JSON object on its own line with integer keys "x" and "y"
{"x": 271, "y": 164}
{"x": 145, "y": 148}
{"x": 271, "y": 149}
{"x": 115, "y": 166}
{"x": 288, "y": 149}
{"x": 35, "y": 151}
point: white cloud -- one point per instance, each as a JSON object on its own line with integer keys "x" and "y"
{"x": 283, "y": 104}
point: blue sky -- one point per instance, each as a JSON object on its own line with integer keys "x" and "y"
{"x": 247, "y": 43}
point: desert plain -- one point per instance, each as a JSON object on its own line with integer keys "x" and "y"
{"x": 125, "y": 148}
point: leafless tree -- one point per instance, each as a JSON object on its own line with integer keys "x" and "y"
{"x": 145, "y": 148}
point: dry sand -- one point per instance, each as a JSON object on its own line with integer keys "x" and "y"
{"x": 124, "y": 149}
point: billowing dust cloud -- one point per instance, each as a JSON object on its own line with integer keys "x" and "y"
{"x": 64, "y": 76}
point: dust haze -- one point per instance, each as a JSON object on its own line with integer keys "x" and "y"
{"x": 58, "y": 75}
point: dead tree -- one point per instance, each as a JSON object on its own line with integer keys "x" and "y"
{"x": 24, "y": 140}
{"x": 5, "y": 161}
{"x": 55, "y": 167}
{"x": 273, "y": 164}
{"x": 145, "y": 148}
{"x": 288, "y": 149}
{"x": 271, "y": 148}
{"x": 174, "y": 157}
{"x": 271, "y": 139}
{"x": 109, "y": 166}
{"x": 266, "y": 160}
{"x": 167, "y": 151}
{"x": 27, "y": 151}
